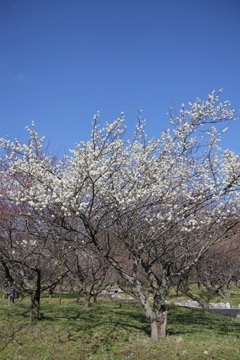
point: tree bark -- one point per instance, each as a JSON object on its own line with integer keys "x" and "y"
{"x": 162, "y": 324}
{"x": 157, "y": 319}
{"x": 35, "y": 299}
{"x": 154, "y": 329}
{"x": 87, "y": 301}
{"x": 205, "y": 307}
{"x": 158, "y": 325}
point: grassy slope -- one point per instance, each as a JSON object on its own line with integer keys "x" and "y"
{"x": 110, "y": 330}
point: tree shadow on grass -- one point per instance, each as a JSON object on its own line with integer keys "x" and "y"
{"x": 99, "y": 316}
{"x": 108, "y": 316}
{"x": 126, "y": 326}
{"x": 189, "y": 320}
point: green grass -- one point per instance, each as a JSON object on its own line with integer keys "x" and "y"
{"x": 110, "y": 330}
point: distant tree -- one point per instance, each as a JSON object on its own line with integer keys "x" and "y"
{"x": 215, "y": 271}
{"x": 28, "y": 261}
{"x": 89, "y": 272}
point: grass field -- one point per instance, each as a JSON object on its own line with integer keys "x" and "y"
{"x": 112, "y": 330}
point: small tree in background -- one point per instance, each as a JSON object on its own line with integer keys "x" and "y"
{"x": 90, "y": 273}
{"x": 215, "y": 271}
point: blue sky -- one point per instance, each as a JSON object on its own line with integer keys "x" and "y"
{"x": 63, "y": 60}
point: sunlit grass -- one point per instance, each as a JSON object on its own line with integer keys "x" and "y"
{"x": 112, "y": 330}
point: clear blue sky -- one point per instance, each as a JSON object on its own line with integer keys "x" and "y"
{"x": 63, "y": 60}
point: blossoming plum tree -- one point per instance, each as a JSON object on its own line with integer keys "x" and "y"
{"x": 29, "y": 260}
{"x": 161, "y": 202}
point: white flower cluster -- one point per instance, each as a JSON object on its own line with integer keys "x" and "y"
{"x": 159, "y": 182}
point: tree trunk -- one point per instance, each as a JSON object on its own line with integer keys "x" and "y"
{"x": 158, "y": 326}
{"x": 154, "y": 329}
{"x": 155, "y": 314}
{"x": 35, "y": 299}
{"x": 205, "y": 307}
{"x": 35, "y": 307}
{"x": 162, "y": 324}
{"x": 60, "y": 297}
{"x": 87, "y": 301}
{"x": 158, "y": 321}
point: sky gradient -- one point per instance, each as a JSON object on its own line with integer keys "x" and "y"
{"x": 62, "y": 61}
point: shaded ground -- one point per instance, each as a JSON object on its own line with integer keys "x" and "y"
{"x": 226, "y": 312}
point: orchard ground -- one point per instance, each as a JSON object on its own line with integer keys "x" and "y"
{"x": 113, "y": 330}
